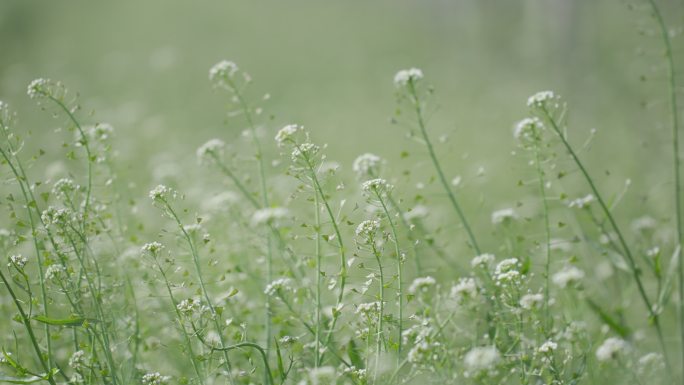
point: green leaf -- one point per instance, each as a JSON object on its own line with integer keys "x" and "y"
{"x": 354, "y": 355}
{"x": 71, "y": 321}
{"x": 20, "y": 380}
{"x": 615, "y": 325}
{"x": 281, "y": 367}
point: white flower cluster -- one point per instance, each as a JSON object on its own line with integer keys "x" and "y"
{"x": 52, "y": 216}
{"x": 421, "y": 284}
{"x": 367, "y": 229}
{"x": 611, "y": 349}
{"x": 155, "y": 379}
{"x": 506, "y": 272}
{"x": 152, "y": 248}
{"x": 404, "y": 77}
{"x": 367, "y": 165}
{"x": 17, "y": 260}
{"x": 77, "y": 360}
{"x": 378, "y": 186}
{"x": 269, "y": 215}
{"x": 101, "y": 131}
{"x": 287, "y": 133}
{"x": 568, "y": 276}
{"x": 189, "y": 306}
{"x": 368, "y": 308}
{"x": 212, "y": 148}
{"x": 527, "y": 130}
{"x": 305, "y": 151}
{"x": 482, "y": 260}
{"x": 54, "y": 272}
{"x": 481, "y": 358}
{"x": 63, "y": 187}
{"x": 503, "y": 215}
{"x": 38, "y": 88}
{"x": 581, "y": 203}
{"x": 531, "y": 301}
{"x": 221, "y": 72}
{"x": 464, "y": 290}
{"x": 278, "y": 285}
{"x": 541, "y": 99}
{"x": 161, "y": 192}
{"x": 548, "y": 347}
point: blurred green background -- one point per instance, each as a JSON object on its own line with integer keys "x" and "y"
{"x": 142, "y": 66}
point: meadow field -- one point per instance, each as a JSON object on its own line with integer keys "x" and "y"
{"x": 341, "y": 192}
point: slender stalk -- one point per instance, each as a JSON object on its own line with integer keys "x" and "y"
{"x": 27, "y": 324}
{"x": 547, "y": 227}
{"x": 205, "y": 293}
{"x": 265, "y": 202}
{"x": 343, "y": 259}
{"x": 381, "y": 314}
{"x": 452, "y": 198}
{"x": 318, "y": 281}
{"x": 623, "y": 243}
{"x": 672, "y": 90}
{"x": 399, "y": 272}
{"x": 179, "y": 318}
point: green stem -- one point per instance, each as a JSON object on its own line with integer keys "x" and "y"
{"x": 399, "y": 273}
{"x": 205, "y": 293}
{"x": 438, "y": 168}
{"x": 623, "y": 243}
{"x": 672, "y": 89}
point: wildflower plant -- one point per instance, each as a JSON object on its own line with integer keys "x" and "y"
{"x": 302, "y": 270}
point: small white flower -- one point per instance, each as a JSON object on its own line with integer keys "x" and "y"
{"x": 155, "y": 379}
{"x": 212, "y": 148}
{"x": 269, "y": 215}
{"x": 403, "y": 77}
{"x": 644, "y": 223}
{"x": 368, "y": 308}
{"x": 418, "y": 212}
{"x": 161, "y": 192}
{"x": 567, "y": 276}
{"x": 63, "y": 187}
{"x": 305, "y": 150}
{"x": 482, "y": 260}
{"x": 611, "y": 349}
{"x": 77, "y": 360}
{"x": 222, "y": 71}
{"x": 465, "y": 289}
{"x": 278, "y": 285}
{"x": 367, "y": 229}
{"x": 378, "y": 186}
{"x": 581, "y": 203}
{"x": 421, "y": 284}
{"x": 189, "y": 306}
{"x": 287, "y": 133}
{"x": 153, "y": 248}
{"x": 481, "y": 358}
{"x": 38, "y": 88}
{"x": 548, "y": 347}
{"x": 53, "y": 216}
{"x": 531, "y": 301}
{"x": 527, "y": 130}
{"x": 54, "y": 272}
{"x": 540, "y": 99}
{"x": 17, "y": 260}
{"x": 367, "y": 165}
{"x": 503, "y": 215}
